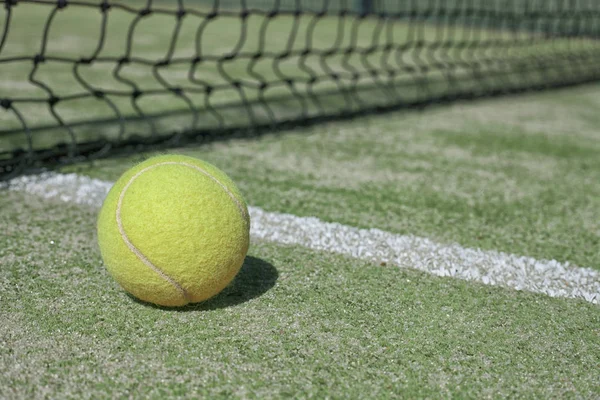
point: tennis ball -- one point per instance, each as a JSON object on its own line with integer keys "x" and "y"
{"x": 173, "y": 230}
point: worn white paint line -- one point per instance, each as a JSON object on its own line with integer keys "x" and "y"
{"x": 489, "y": 267}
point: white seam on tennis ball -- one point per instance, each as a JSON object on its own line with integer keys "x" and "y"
{"x": 135, "y": 250}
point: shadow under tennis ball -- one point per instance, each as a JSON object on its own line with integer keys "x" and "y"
{"x": 255, "y": 278}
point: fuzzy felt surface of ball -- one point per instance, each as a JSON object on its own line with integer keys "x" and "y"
{"x": 173, "y": 230}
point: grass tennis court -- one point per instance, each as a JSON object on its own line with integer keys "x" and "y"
{"x": 496, "y": 294}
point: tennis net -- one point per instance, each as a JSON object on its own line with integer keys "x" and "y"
{"x": 86, "y": 79}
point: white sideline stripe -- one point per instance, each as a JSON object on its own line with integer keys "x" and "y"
{"x": 552, "y": 278}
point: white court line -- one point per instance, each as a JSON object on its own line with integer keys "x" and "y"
{"x": 553, "y": 278}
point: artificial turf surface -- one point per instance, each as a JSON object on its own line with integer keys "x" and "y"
{"x": 295, "y": 323}
{"x": 299, "y": 323}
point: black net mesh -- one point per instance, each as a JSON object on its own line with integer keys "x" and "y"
{"x": 86, "y": 79}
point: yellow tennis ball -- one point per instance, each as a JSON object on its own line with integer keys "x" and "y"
{"x": 173, "y": 230}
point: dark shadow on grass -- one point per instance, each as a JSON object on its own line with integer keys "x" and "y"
{"x": 255, "y": 278}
